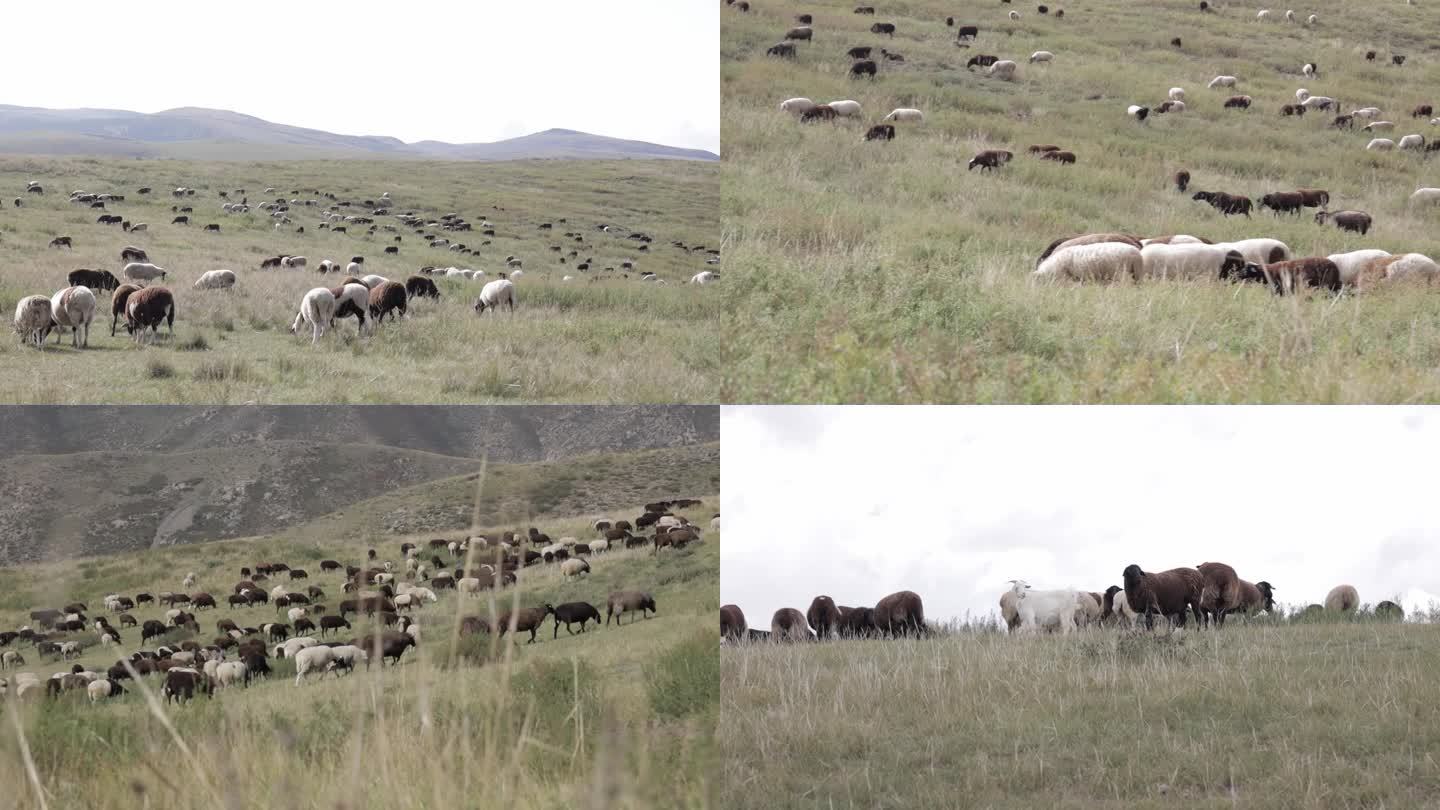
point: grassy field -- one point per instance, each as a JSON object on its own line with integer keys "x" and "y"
{"x": 598, "y": 338}
{"x": 614, "y": 717}
{"x": 1302, "y": 715}
{"x": 887, "y": 272}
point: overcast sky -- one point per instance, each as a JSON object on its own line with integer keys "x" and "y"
{"x": 952, "y": 502}
{"x": 424, "y": 69}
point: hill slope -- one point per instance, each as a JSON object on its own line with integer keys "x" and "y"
{"x": 197, "y": 133}
{"x": 889, "y": 271}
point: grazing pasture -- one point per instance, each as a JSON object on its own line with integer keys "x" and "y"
{"x": 1305, "y": 712}
{"x": 880, "y": 269}
{"x": 464, "y": 718}
{"x": 600, "y": 253}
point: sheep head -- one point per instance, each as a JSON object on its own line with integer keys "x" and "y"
{"x": 1019, "y": 587}
{"x": 1267, "y": 591}
{"x": 1132, "y": 576}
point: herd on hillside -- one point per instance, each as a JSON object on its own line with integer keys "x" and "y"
{"x": 380, "y": 593}
{"x": 1209, "y": 592}
{"x": 145, "y": 305}
{"x": 1114, "y": 257}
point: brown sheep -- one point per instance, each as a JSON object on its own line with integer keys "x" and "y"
{"x": 1060, "y": 156}
{"x": 417, "y": 286}
{"x": 881, "y": 132}
{"x": 1343, "y": 121}
{"x": 862, "y": 52}
{"x": 387, "y": 297}
{"x": 1182, "y": 180}
{"x": 117, "y": 306}
{"x": 1237, "y": 103}
{"x": 1220, "y": 592}
{"x": 1313, "y": 197}
{"x": 820, "y": 112}
{"x": 788, "y": 624}
{"x": 990, "y": 159}
{"x": 889, "y": 29}
{"x": 800, "y": 33}
{"x": 147, "y": 307}
{"x": 863, "y": 67}
{"x": 900, "y": 613}
{"x": 1283, "y": 201}
{"x": 526, "y": 619}
{"x": 732, "y": 622}
{"x": 823, "y": 616}
{"x": 1168, "y": 593}
{"x": 1040, "y": 149}
{"x": 1342, "y": 598}
{"x": 1086, "y": 239}
{"x": 1357, "y": 221}
{"x": 1422, "y": 111}
{"x": 620, "y": 602}
{"x": 1255, "y": 597}
{"x": 1289, "y": 276}
{"x": 1292, "y": 109}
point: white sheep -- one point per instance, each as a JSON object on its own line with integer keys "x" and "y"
{"x": 1289, "y": 16}
{"x": 32, "y": 319}
{"x": 1411, "y": 265}
{"x": 1003, "y": 69}
{"x": 1177, "y": 239}
{"x": 1412, "y": 142}
{"x": 1365, "y": 112}
{"x": 189, "y": 581}
{"x": 1222, "y": 81}
{"x": 494, "y": 293}
{"x": 1036, "y": 609}
{"x": 1104, "y": 261}
{"x": 1312, "y": 19}
{"x": 1380, "y": 144}
{"x": 1425, "y": 196}
{"x": 293, "y": 261}
{"x": 312, "y": 659}
{"x": 142, "y": 272}
{"x": 353, "y": 269}
{"x": 230, "y": 673}
{"x": 1263, "y": 15}
{"x": 372, "y": 281}
{"x": 100, "y": 689}
{"x": 1301, "y": 95}
{"x": 704, "y": 277}
{"x": 1352, "y": 262}
{"x": 1308, "y": 69}
{"x": 1120, "y": 607}
{"x": 1260, "y": 250}
{"x": 215, "y": 280}
{"x": 74, "y": 307}
{"x": 1378, "y": 126}
{"x": 797, "y": 105}
{"x": 574, "y": 567}
{"x": 599, "y": 546}
{"x": 1177, "y": 94}
{"x": 905, "y": 114}
{"x": 289, "y": 648}
{"x": 1317, "y": 102}
{"x": 317, "y": 308}
{"x": 845, "y": 108}
{"x": 346, "y": 656}
{"x": 1187, "y": 261}
{"x": 1041, "y": 56}
{"x": 296, "y": 613}
{"x": 1014, "y": 15}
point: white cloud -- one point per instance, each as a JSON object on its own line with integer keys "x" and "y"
{"x": 951, "y": 502}
{"x": 426, "y": 69}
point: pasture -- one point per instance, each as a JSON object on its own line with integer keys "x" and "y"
{"x": 612, "y": 717}
{"x": 888, "y": 272}
{"x": 1303, "y": 714}
{"x": 602, "y": 336}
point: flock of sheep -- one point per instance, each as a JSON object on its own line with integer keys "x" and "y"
{"x": 381, "y": 591}
{"x": 1113, "y": 257}
{"x": 144, "y": 305}
{"x": 1209, "y": 593}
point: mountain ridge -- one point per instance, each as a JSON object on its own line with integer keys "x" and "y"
{"x": 181, "y": 132}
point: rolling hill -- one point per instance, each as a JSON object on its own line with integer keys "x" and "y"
{"x": 201, "y": 133}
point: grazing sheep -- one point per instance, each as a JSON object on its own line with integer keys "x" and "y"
{"x": 900, "y": 614}
{"x": 845, "y": 108}
{"x": 1422, "y": 111}
{"x": 317, "y": 308}
{"x": 1137, "y": 112}
{"x": 788, "y": 624}
{"x": 800, "y": 33}
{"x": 1263, "y": 15}
{"x": 94, "y": 279}
{"x": 1292, "y": 109}
{"x": 215, "y": 280}
{"x": 1226, "y": 204}
{"x": 1309, "y": 69}
{"x": 1357, "y": 221}
{"x": 1190, "y": 261}
{"x": 1182, "y": 180}
{"x": 1103, "y": 261}
{"x": 418, "y": 286}
{"x": 1238, "y": 102}
{"x": 1059, "y": 156}
{"x": 386, "y": 297}
{"x": 823, "y": 616}
{"x": 990, "y": 159}
{"x": 1176, "y": 94}
{"x": 312, "y": 659}
{"x": 1167, "y": 593}
{"x": 1312, "y": 19}
{"x": 494, "y": 294}
{"x": 1342, "y": 598}
{"x": 1003, "y": 69}
{"x": 796, "y": 105}
{"x": 1380, "y": 145}
{"x": 33, "y": 321}
{"x": 732, "y": 622}
{"x": 1086, "y": 239}
{"x": 142, "y": 272}
{"x": 1397, "y": 268}
{"x": 863, "y": 67}
{"x": 1038, "y": 149}
{"x": 1290, "y": 276}
{"x": 1222, "y": 81}
{"x": 1349, "y": 264}
{"x": 74, "y": 307}
{"x": 1170, "y": 106}
{"x": 619, "y": 602}
{"x": 783, "y": 50}
{"x": 574, "y": 567}
{"x": 880, "y": 132}
{"x": 102, "y": 688}
{"x": 1220, "y": 591}
{"x": 1041, "y": 56}
{"x": 820, "y": 112}
{"x": 1412, "y": 142}
{"x": 1390, "y": 610}
{"x": 904, "y": 114}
